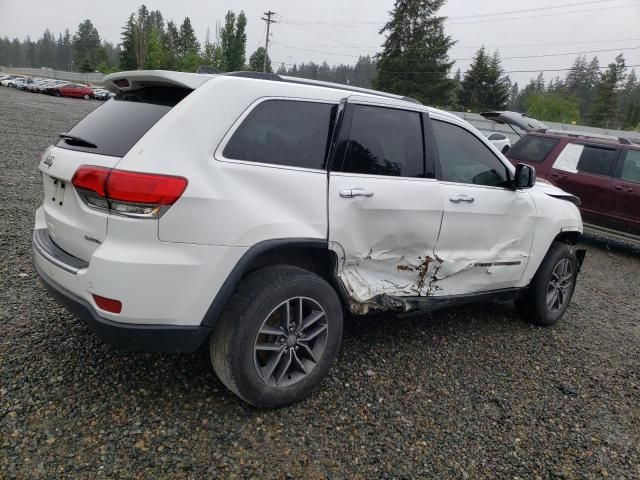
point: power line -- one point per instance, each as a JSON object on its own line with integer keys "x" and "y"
{"x": 467, "y": 59}
{"x": 494, "y": 14}
{"x": 487, "y": 46}
{"x": 538, "y": 70}
{"x": 527, "y": 17}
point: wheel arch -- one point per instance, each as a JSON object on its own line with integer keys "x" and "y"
{"x": 309, "y": 254}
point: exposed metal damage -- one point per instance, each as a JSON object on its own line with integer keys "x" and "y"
{"x": 389, "y": 279}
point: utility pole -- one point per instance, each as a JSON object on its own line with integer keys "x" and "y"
{"x": 266, "y": 42}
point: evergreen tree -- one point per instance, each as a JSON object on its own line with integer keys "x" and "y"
{"x": 630, "y": 102}
{"x": 128, "y": 59}
{"x": 604, "y": 112}
{"x": 415, "y": 60}
{"x": 256, "y": 61}
{"x": 141, "y": 30}
{"x": 86, "y": 43}
{"x": 188, "y": 46}
{"x": 46, "y": 50}
{"x": 513, "y": 96}
{"x": 484, "y": 86}
{"x": 233, "y": 42}
{"x": 155, "y": 54}
{"x": 170, "y": 41}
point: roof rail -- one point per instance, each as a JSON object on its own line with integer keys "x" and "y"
{"x": 599, "y": 136}
{"x": 318, "y": 83}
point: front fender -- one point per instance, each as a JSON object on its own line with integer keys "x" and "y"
{"x": 554, "y": 217}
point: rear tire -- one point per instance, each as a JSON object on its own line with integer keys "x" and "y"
{"x": 270, "y": 359}
{"x": 552, "y": 287}
{"x": 505, "y": 149}
{"x": 86, "y": 97}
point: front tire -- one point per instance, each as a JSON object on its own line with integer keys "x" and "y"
{"x": 552, "y": 287}
{"x": 277, "y": 337}
{"x": 86, "y": 96}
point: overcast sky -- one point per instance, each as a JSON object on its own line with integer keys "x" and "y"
{"x": 339, "y": 30}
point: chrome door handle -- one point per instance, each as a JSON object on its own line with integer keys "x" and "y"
{"x": 355, "y": 192}
{"x": 461, "y": 198}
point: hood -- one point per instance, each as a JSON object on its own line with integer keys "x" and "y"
{"x": 553, "y": 191}
{"x": 515, "y": 119}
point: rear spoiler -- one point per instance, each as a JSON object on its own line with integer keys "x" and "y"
{"x": 132, "y": 80}
{"x": 515, "y": 119}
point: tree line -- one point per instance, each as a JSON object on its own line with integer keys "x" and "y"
{"x": 414, "y": 61}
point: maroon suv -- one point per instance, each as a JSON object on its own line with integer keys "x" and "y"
{"x": 603, "y": 171}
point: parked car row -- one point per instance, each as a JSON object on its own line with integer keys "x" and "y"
{"x": 58, "y": 88}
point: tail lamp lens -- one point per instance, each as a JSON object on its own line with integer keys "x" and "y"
{"x": 108, "y": 304}
{"x": 128, "y": 193}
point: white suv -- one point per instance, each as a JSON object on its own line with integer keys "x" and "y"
{"x": 248, "y": 210}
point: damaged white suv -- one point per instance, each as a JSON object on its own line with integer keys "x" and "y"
{"x": 248, "y": 210}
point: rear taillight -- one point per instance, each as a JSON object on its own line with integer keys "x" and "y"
{"x": 133, "y": 194}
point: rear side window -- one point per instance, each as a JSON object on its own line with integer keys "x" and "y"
{"x": 631, "y": 166}
{"x": 590, "y": 159}
{"x": 384, "y": 141}
{"x": 121, "y": 122}
{"x": 533, "y": 149}
{"x": 466, "y": 159}
{"x": 597, "y": 161}
{"x": 284, "y": 132}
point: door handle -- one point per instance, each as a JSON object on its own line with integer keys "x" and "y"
{"x": 559, "y": 175}
{"x": 355, "y": 192}
{"x": 461, "y": 199}
{"x": 623, "y": 189}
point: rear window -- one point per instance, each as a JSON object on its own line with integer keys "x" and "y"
{"x": 119, "y": 123}
{"x": 532, "y": 148}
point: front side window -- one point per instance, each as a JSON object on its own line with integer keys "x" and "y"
{"x": 384, "y": 141}
{"x": 284, "y": 132}
{"x": 631, "y": 166}
{"x": 465, "y": 159}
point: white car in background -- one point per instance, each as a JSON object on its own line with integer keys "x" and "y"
{"x": 248, "y": 210}
{"x": 11, "y": 80}
{"x": 500, "y": 140}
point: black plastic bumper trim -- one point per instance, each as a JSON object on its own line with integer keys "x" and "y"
{"x": 133, "y": 337}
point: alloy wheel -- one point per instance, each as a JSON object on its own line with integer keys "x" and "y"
{"x": 290, "y": 342}
{"x": 560, "y": 285}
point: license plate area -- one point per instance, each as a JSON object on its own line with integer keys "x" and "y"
{"x": 56, "y": 191}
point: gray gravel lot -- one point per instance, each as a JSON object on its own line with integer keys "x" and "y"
{"x": 471, "y": 392}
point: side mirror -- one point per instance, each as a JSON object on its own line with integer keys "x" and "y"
{"x": 525, "y": 176}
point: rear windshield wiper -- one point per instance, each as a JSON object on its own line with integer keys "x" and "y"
{"x": 75, "y": 140}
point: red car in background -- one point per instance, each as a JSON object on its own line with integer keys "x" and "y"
{"x": 76, "y": 91}
{"x": 602, "y": 170}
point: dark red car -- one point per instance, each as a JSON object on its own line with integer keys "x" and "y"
{"x": 603, "y": 171}
{"x": 77, "y": 91}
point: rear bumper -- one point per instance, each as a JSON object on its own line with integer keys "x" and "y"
{"x": 141, "y": 338}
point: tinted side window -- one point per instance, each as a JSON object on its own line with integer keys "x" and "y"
{"x": 283, "y": 132}
{"x": 533, "y": 149}
{"x": 631, "y": 166}
{"x": 384, "y": 141}
{"x": 598, "y": 161}
{"x": 465, "y": 159}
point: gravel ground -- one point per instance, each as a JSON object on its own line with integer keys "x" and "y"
{"x": 471, "y": 392}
